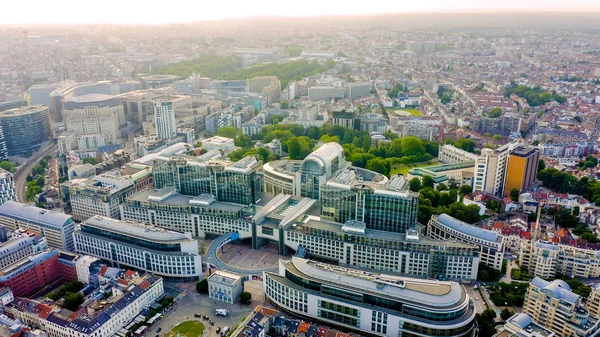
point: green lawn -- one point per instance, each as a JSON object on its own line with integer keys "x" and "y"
{"x": 403, "y": 169}
{"x": 187, "y": 329}
{"x": 413, "y": 112}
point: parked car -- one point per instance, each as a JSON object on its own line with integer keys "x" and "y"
{"x": 205, "y": 317}
{"x": 218, "y": 330}
{"x": 158, "y": 330}
{"x": 197, "y": 315}
{"x": 212, "y": 322}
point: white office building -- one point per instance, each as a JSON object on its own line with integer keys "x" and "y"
{"x": 450, "y": 154}
{"x": 164, "y": 118}
{"x": 443, "y": 227}
{"x": 371, "y": 303}
{"x": 56, "y": 227}
{"x": 156, "y": 250}
{"x": 225, "y": 286}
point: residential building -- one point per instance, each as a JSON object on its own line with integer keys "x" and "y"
{"x": 521, "y": 325}
{"x": 370, "y": 303}
{"x": 372, "y": 122}
{"x": 225, "y": 286}
{"x": 164, "y": 119}
{"x": 521, "y": 169}
{"x": 6, "y": 296}
{"x": 56, "y": 227}
{"x": 98, "y": 317}
{"x": 575, "y": 149}
{"x": 546, "y": 259}
{"x": 272, "y": 92}
{"x": 31, "y": 273}
{"x": 443, "y": 226}
{"x": 94, "y": 114}
{"x": 17, "y": 126}
{"x": 593, "y": 301}
{"x": 450, "y": 154}
{"x": 7, "y": 187}
{"x": 155, "y": 250}
{"x": 554, "y": 306}
{"x": 67, "y": 141}
{"x": 258, "y": 83}
{"x": 100, "y": 195}
{"x": 344, "y": 118}
{"x": 490, "y": 169}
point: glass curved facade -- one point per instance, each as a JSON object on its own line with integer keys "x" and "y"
{"x": 26, "y": 129}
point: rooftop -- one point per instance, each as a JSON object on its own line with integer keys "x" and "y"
{"x": 558, "y": 289}
{"x": 183, "y": 200}
{"x": 24, "y": 110}
{"x": 35, "y": 214}
{"x": 138, "y": 230}
{"x": 466, "y": 228}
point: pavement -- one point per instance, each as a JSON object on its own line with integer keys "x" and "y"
{"x": 194, "y": 303}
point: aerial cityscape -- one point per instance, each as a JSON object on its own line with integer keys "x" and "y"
{"x": 337, "y": 172}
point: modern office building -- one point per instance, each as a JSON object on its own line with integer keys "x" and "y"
{"x": 26, "y": 129}
{"x": 521, "y": 169}
{"x": 217, "y": 143}
{"x": 554, "y": 306}
{"x": 95, "y": 114}
{"x": 40, "y": 94}
{"x": 7, "y": 187}
{"x": 164, "y": 119}
{"x": 225, "y": 286}
{"x": 98, "y": 317}
{"x": 15, "y": 250}
{"x": 370, "y": 303}
{"x": 100, "y": 195}
{"x": 152, "y": 249}
{"x": 461, "y": 172}
{"x": 31, "y": 273}
{"x": 450, "y": 154}
{"x": 443, "y": 227}
{"x": 368, "y": 197}
{"x": 521, "y": 325}
{"x": 236, "y": 182}
{"x": 490, "y": 169}
{"x": 258, "y": 83}
{"x": 56, "y": 227}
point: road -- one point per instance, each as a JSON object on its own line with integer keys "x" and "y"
{"x": 476, "y": 297}
{"x": 24, "y": 170}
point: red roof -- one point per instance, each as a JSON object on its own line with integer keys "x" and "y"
{"x": 322, "y": 332}
{"x": 103, "y": 270}
{"x": 144, "y": 285}
{"x": 123, "y": 282}
{"x": 44, "y": 310}
{"x": 525, "y": 235}
{"x": 303, "y": 327}
{"x": 129, "y": 274}
{"x": 498, "y": 225}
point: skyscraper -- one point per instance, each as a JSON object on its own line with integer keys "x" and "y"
{"x": 521, "y": 169}
{"x": 164, "y": 117}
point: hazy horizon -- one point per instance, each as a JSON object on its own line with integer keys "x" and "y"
{"x": 181, "y": 11}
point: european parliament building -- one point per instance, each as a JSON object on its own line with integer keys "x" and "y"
{"x": 347, "y": 216}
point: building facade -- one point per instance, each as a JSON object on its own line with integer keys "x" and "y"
{"x": 521, "y": 169}
{"x": 56, "y": 227}
{"x": 224, "y": 286}
{"x": 97, "y": 319}
{"x": 164, "y": 119}
{"x": 443, "y": 227}
{"x": 156, "y": 250}
{"x": 7, "y": 187}
{"x": 450, "y": 154}
{"x": 18, "y": 124}
{"x": 95, "y": 114}
{"x": 15, "y": 250}
{"x": 546, "y": 259}
{"x": 100, "y": 195}
{"x": 554, "y": 306}
{"x": 31, "y": 273}
{"x": 370, "y": 303}
{"x": 490, "y": 169}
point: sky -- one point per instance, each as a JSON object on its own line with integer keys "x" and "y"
{"x": 173, "y": 11}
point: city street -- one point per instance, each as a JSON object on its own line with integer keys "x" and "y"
{"x": 476, "y": 297}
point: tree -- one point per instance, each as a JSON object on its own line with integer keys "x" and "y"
{"x": 285, "y": 105}
{"x": 427, "y": 181}
{"x": 202, "y": 287}
{"x": 90, "y": 160}
{"x": 228, "y": 132}
{"x": 442, "y": 187}
{"x": 575, "y": 211}
{"x": 465, "y": 144}
{"x": 298, "y": 147}
{"x": 541, "y": 165}
{"x": 514, "y": 194}
{"x": 379, "y": 165}
{"x": 40, "y": 181}
{"x": 465, "y": 189}
{"x": 246, "y": 298}
{"x": 506, "y": 314}
{"x": 495, "y": 113}
{"x": 8, "y": 166}
{"x": 414, "y": 184}
{"x": 589, "y": 237}
{"x": 72, "y": 301}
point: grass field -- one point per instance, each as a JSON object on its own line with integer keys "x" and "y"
{"x": 413, "y": 112}
{"x": 187, "y": 329}
{"x": 403, "y": 169}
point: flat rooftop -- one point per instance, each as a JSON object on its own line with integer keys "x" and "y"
{"x": 137, "y": 230}
{"x": 183, "y": 200}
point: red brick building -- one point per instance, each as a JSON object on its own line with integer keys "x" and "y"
{"x": 32, "y": 273}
